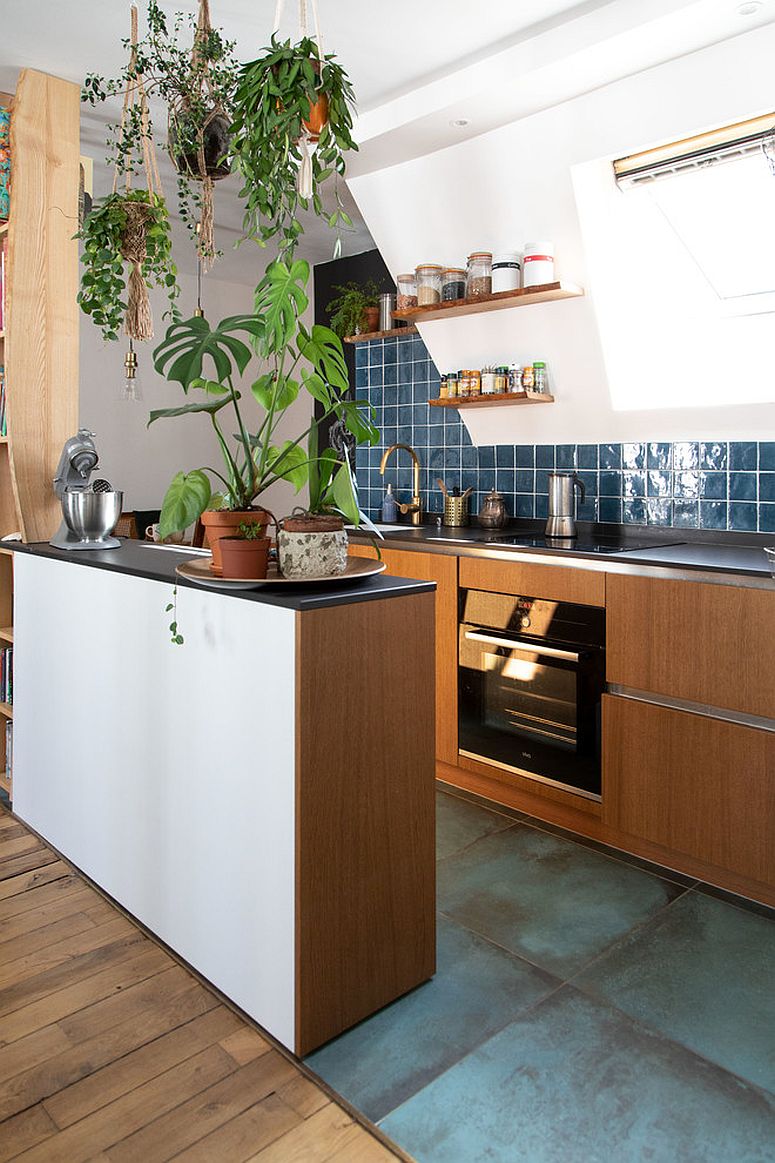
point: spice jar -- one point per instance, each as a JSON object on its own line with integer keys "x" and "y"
{"x": 428, "y": 284}
{"x": 463, "y": 383}
{"x": 479, "y": 274}
{"x": 515, "y": 378}
{"x": 406, "y": 296}
{"x": 501, "y": 380}
{"x": 541, "y": 378}
{"x": 506, "y": 268}
{"x": 452, "y": 385}
{"x": 453, "y": 284}
{"x": 528, "y": 378}
{"x": 443, "y": 388}
{"x": 487, "y": 380}
{"x": 474, "y": 383}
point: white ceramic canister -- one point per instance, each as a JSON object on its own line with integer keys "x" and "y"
{"x": 538, "y": 264}
{"x": 506, "y": 267}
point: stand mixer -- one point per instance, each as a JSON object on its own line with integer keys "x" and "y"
{"x": 90, "y": 512}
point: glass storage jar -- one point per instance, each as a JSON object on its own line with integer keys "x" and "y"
{"x": 406, "y": 296}
{"x": 453, "y": 284}
{"x": 479, "y": 274}
{"x": 428, "y": 284}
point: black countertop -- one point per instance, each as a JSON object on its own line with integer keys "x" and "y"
{"x": 671, "y": 548}
{"x": 157, "y": 563}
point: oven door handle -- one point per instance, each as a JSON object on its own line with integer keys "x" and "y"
{"x": 515, "y": 644}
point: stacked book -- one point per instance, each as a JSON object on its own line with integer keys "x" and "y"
{"x": 3, "y": 419}
{"x": 8, "y": 749}
{"x": 5, "y": 163}
{"x": 3, "y": 264}
{"x": 6, "y": 675}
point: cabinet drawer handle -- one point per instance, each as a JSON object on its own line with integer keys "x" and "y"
{"x": 512, "y": 644}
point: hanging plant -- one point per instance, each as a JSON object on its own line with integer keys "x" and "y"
{"x": 128, "y": 227}
{"x": 195, "y": 83}
{"x": 285, "y": 103}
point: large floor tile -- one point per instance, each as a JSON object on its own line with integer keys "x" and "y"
{"x": 477, "y": 990}
{"x": 572, "y": 1081}
{"x": 703, "y": 972}
{"x": 552, "y": 901}
{"x": 459, "y": 823}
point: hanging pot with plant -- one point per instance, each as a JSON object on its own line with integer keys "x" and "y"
{"x": 292, "y": 127}
{"x": 129, "y": 227}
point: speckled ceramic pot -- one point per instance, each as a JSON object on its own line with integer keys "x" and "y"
{"x": 312, "y": 547}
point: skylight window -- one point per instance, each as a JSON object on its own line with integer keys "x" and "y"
{"x": 681, "y": 256}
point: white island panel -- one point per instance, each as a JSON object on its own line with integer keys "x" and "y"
{"x": 166, "y": 772}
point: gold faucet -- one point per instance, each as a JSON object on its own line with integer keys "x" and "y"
{"x": 415, "y": 505}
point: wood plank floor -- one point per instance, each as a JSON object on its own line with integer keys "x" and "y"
{"x": 110, "y": 1049}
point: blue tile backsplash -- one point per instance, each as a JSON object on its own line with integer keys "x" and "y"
{"x": 691, "y": 484}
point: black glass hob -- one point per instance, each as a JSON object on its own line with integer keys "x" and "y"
{"x": 579, "y": 544}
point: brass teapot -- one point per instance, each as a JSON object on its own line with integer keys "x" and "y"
{"x": 492, "y": 514}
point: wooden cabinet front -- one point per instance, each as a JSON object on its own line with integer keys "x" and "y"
{"x": 709, "y": 644}
{"x": 554, "y": 582}
{"x": 442, "y": 570}
{"x": 692, "y": 784}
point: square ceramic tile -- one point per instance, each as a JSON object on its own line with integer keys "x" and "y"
{"x": 702, "y": 973}
{"x": 477, "y": 989}
{"x": 548, "y": 899}
{"x": 572, "y": 1081}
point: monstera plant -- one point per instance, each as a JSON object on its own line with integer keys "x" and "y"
{"x": 209, "y": 363}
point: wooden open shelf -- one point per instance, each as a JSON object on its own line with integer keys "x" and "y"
{"x": 6, "y": 633}
{"x": 547, "y": 293}
{"x": 7, "y": 710}
{"x": 500, "y": 398}
{"x": 394, "y": 331}
{"x": 3, "y": 228}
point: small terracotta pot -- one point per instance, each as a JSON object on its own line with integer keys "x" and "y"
{"x": 220, "y": 523}
{"x": 243, "y": 559}
{"x": 370, "y": 319}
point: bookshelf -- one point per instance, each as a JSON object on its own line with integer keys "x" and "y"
{"x": 39, "y": 338}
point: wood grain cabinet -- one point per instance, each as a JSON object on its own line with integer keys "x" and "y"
{"x": 443, "y": 570}
{"x": 692, "y": 784}
{"x": 553, "y": 582}
{"x": 708, "y": 644}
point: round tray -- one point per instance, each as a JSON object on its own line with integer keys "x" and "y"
{"x": 198, "y": 570}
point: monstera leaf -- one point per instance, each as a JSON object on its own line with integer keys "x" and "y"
{"x": 323, "y": 348}
{"x": 185, "y": 500}
{"x": 181, "y": 354}
{"x": 273, "y": 393}
{"x": 289, "y": 462}
{"x": 280, "y": 300}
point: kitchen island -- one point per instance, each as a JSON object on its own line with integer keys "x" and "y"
{"x": 261, "y": 797}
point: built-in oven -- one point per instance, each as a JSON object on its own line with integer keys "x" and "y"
{"x": 531, "y": 677}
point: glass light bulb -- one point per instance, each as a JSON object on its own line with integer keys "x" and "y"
{"x": 131, "y": 388}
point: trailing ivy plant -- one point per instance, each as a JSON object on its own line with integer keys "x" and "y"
{"x": 209, "y": 362}
{"x": 103, "y": 282}
{"x": 271, "y": 102}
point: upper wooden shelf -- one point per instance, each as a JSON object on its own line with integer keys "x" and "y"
{"x": 6, "y": 633}
{"x": 6, "y": 710}
{"x": 548, "y": 293}
{"x": 367, "y": 335}
{"x": 481, "y": 401}
{"x": 3, "y": 227}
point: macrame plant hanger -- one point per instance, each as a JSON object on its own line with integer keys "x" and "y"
{"x": 202, "y": 84}
{"x": 138, "y": 321}
{"x": 308, "y": 140}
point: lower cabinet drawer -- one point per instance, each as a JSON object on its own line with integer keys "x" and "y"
{"x": 696, "y": 785}
{"x": 554, "y": 582}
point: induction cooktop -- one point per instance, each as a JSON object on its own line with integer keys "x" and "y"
{"x": 579, "y": 544}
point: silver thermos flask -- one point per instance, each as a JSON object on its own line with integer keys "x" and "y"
{"x": 562, "y": 504}
{"x": 387, "y": 305}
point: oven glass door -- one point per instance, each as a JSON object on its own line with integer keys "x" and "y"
{"x": 531, "y": 707}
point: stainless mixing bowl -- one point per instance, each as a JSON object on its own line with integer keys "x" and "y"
{"x": 91, "y": 516}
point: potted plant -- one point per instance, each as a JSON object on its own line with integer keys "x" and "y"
{"x": 246, "y": 554}
{"x": 284, "y": 102}
{"x": 126, "y": 228}
{"x": 354, "y": 309}
{"x": 298, "y": 360}
{"x": 195, "y": 83}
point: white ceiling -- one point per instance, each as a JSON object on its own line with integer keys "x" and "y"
{"x": 411, "y": 64}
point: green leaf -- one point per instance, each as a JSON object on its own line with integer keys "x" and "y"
{"x": 182, "y": 352}
{"x": 280, "y": 300}
{"x": 270, "y": 392}
{"x": 317, "y": 388}
{"x": 169, "y": 413}
{"x": 210, "y": 387}
{"x": 184, "y": 502}
{"x": 289, "y": 462}
{"x": 344, "y": 495}
{"x": 323, "y": 349}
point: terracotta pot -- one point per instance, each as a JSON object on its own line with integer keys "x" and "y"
{"x": 370, "y": 319}
{"x": 243, "y": 559}
{"x": 220, "y": 523}
{"x": 318, "y": 113}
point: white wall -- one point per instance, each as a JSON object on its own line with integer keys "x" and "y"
{"x": 514, "y": 184}
{"x": 142, "y": 460}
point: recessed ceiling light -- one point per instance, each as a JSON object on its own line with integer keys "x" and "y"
{"x": 460, "y": 123}
{"x": 749, "y": 8}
